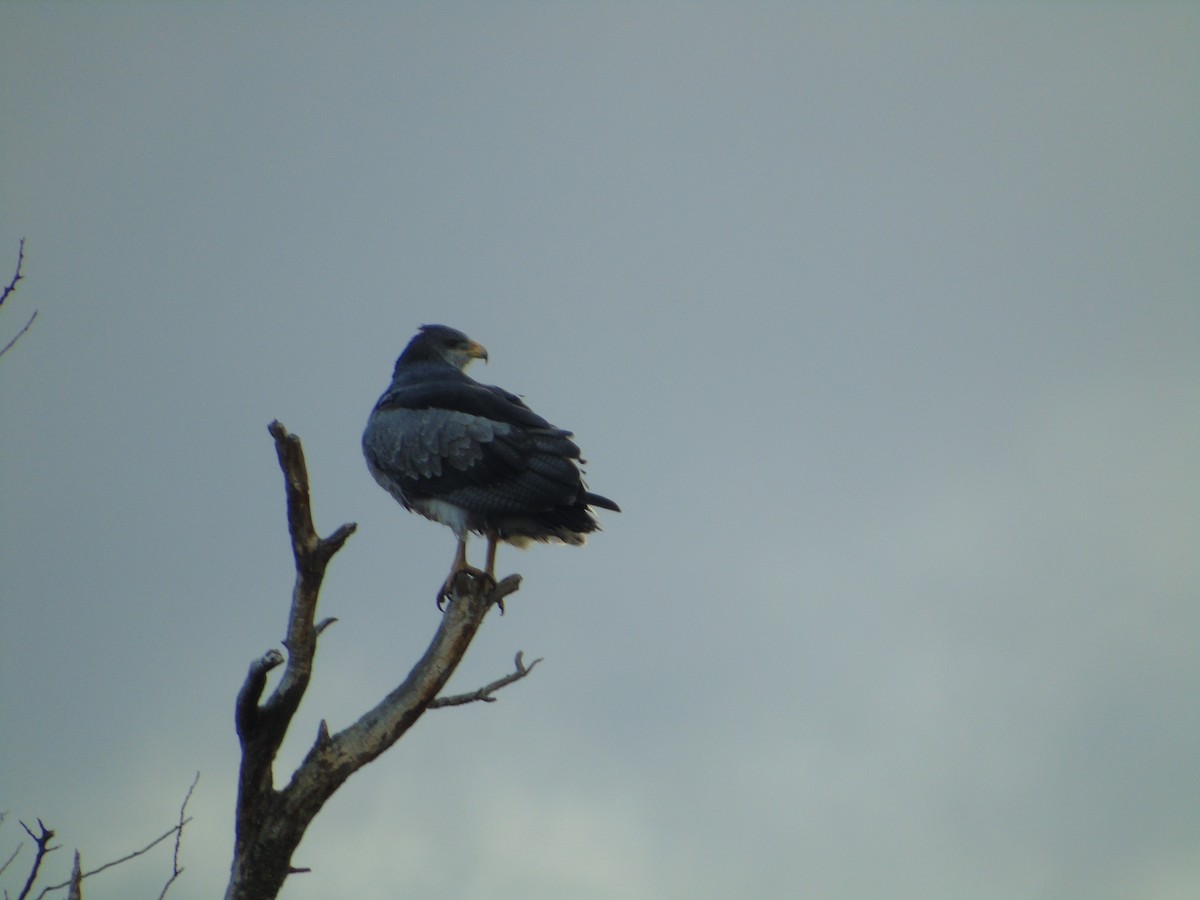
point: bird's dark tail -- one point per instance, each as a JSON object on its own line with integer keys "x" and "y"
{"x": 602, "y": 502}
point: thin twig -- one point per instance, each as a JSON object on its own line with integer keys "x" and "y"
{"x": 175, "y": 870}
{"x": 485, "y": 693}
{"x": 9, "y": 288}
{"x": 116, "y": 862}
{"x": 17, "y": 337}
{"x": 12, "y": 285}
{"x": 8, "y": 862}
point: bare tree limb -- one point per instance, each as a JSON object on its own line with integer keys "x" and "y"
{"x": 270, "y": 821}
{"x": 8, "y": 289}
{"x": 17, "y": 276}
{"x": 176, "y": 830}
{"x": 75, "y": 883}
{"x": 312, "y": 554}
{"x": 246, "y": 710}
{"x": 485, "y": 693}
{"x": 13, "y": 855}
{"x": 128, "y": 856}
{"x": 76, "y": 890}
{"x": 116, "y": 862}
{"x": 42, "y": 842}
{"x": 17, "y": 336}
{"x": 176, "y": 871}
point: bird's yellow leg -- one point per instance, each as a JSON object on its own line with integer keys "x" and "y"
{"x": 490, "y": 570}
{"x": 460, "y": 556}
{"x": 491, "y": 556}
{"x": 461, "y": 565}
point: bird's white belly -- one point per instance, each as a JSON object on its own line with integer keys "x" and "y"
{"x": 454, "y": 517}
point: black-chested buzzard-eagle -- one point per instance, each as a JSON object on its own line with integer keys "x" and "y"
{"x": 472, "y": 456}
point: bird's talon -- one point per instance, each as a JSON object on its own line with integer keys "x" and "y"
{"x": 448, "y": 588}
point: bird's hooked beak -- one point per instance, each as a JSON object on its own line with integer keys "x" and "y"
{"x": 476, "y": 350}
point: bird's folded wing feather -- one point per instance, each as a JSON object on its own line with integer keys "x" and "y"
{"x": 479, "y": 462}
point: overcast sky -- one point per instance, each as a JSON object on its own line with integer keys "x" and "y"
{"x": 879, "y": 321}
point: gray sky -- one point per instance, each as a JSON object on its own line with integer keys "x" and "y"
{"x": 879, "y": 321}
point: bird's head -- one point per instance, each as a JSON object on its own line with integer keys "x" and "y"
{"x": 439, "y": 343}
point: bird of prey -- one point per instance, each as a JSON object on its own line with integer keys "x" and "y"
{"x": 474, "y": 457}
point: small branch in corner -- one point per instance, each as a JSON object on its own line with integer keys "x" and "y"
{"x": 176, "y": 830}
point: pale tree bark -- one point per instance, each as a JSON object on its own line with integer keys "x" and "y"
{"x": 270, "y": 821}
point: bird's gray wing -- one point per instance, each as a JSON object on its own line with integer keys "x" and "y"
{"x": 479, "y": 464}
{"x": 426, "y": 443}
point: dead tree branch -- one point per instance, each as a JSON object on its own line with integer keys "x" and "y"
{"x": 74, "y": 884}
{"x": 175, "y": 829}
{"x": 42, "y": 842}
{"x": 17, "y": 276}
{"x": 16, "y": 337}
{"x": 485, "y": 692}
{"x": 77, "y": 875}
{"x": 11, "y": 856}
{"x": 116, "y": 862}
{"x": 75, "y": 892}
{"x": 270, "y": 822}
{"x": 176, "y": 869}
{"x": 10, "y": 288}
